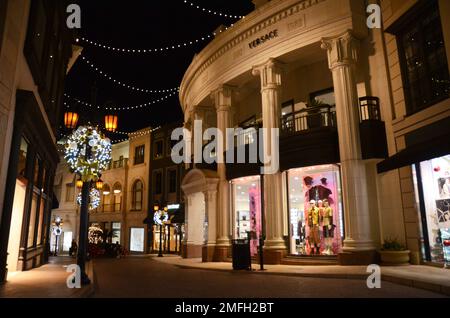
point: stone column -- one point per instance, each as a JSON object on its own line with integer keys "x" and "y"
{"x": 210, "y": 219}
{"x": 222, "y": 98}
{"x": 274, "y": 245}
{"x": 342, "y": 56}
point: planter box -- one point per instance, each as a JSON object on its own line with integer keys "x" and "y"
{"x": 394, "y": 257}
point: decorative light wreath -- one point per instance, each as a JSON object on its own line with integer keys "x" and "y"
{"x": 94, "y": 199}
{"x": 75, "y": 151}
{"x": 160, "y": 217}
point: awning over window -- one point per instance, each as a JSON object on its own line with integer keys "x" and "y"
{"x": 436, "y": 147}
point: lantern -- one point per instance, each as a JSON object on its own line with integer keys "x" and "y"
{"x": 111, "y": 122}
{"x": 99, "y": 184}
{"x": 79, "y": 184}
{"x": 166, "y": 208}
{"x": 70, "y": 119}
{"x": 156, "y": 207}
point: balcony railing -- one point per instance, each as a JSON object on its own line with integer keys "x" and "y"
{"x": 115, "y": 207}
{"x": 121, "y": 163}
{"x": 309, "y": 118}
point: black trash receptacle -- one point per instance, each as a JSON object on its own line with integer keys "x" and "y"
{"x": 241, "y": 254}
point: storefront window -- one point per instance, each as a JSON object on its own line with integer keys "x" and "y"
{"x": 247, "y": 209}
{"x": 115, "y": 233}
{"x": 432, "y": 185}
{"x": 32, "y": 224}
{"x": 22, "y": 164}
{"x": 315, "y": 210}
{"x": 137, "y": 235}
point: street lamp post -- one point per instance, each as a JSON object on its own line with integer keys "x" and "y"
{"x": 57, "y": 233}
{"x": 84, "y": 215}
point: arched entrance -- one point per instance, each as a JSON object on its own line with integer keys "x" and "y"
{"x": 200, "y": 191}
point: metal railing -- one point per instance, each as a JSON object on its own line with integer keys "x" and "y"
{"x": 116, "y": 164}
{"x": 309, "y": 118}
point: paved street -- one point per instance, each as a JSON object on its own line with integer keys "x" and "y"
{"x": 146, "y": 277}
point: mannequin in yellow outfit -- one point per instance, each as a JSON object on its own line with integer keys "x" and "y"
{"x": 313, "y": 224}
{"x": 328, "y": 230}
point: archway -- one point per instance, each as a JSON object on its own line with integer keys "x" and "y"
{"x": 200, "y": 190}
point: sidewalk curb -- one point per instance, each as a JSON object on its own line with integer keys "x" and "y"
{"x": 438, "y": 288}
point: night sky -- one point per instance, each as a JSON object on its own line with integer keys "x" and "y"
{"x": 141, "y": 24}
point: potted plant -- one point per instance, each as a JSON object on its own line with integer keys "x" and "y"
{"x": 394, "y": 253}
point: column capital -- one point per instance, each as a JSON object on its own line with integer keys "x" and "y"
{"x": 222, "y": 97}
{"x": 270, "y": 73}
{"x": 342, "y": 49}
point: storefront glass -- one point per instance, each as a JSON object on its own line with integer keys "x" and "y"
{"x": 315, "y": 210}
{"x": 432, "y": 187}
{"x": 247, "y": 209}
{"x": 137, "y": 236}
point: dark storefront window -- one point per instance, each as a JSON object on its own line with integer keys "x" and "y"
{"x": 172, "y": 180}
{"x": 423, "y": 59}
{"x": 157, "y": 177}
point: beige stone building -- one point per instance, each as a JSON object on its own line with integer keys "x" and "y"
{"x": 335, "y": 88}
{"x": 124, "y": 197}
{"x": 35, "y": 49}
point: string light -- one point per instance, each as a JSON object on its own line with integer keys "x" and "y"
{"x": 119, "y": 108}
{"x": 120, "y": 83}
{"x": 214, "y": 12}
{"x": 153, "y": 50}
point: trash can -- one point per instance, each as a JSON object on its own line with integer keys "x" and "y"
{"x": 241, "y": 254}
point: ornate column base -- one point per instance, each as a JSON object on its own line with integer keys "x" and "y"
{"x": 191, "y": 250}
{"x": 274, "y": 256}
{"x": 222, "y": 253}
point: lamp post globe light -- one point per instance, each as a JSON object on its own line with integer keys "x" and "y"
{"x": 160, "y": 218}
{"x": 57, "y": 224}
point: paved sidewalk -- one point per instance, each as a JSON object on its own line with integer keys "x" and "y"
{"x": 418, "y": 276}
{"x": 47, "y": 281}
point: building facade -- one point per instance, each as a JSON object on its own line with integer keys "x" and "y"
{"x": 123, "y": 200}
{"x": 35, "y": 48}
{"x": 333, "y": 87}
{"x": 166, "y": 176}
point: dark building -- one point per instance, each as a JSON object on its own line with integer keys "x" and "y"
{"x": 35, "y": 49}
{"x": 165, "y": 177}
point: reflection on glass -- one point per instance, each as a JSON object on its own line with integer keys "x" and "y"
{"x": 315, "y": 210}
{"x": 435, "y": 175}
{"x": 21, "y": 166}
{"x": 247, "y": 209}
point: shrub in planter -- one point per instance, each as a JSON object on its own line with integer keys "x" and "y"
{"x": 394, "y": 253}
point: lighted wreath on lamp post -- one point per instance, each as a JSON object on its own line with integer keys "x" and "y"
{"x": 88, "y": 154}
{"x": 160, "y": 217}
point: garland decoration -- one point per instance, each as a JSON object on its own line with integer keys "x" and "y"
{"x": 94, "y": 199}
{"x": 89, "y": 168}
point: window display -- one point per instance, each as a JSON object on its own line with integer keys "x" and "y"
{"x": 247, "y": 210}
{"x": 315, "y": 210}
{"x": 432, "y": 182}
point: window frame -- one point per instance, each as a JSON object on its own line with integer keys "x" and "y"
{"x": 168, "y": 183}
{"x": 161, "y": 140}
{"x": 134, "y": 192}
{"x": 135, "y": 162}
{"x": 416, "y": 13}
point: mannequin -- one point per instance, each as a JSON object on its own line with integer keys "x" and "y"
{"x": 328, "y": 228}
{"x": 313, "y": 224}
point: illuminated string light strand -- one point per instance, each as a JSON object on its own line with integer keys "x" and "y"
{"x": 120, "y": 83}
{"x": 152, "y": 50}
{"x": 214, "y": 12}
{"x": 119, "y": 108}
